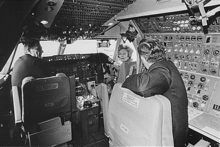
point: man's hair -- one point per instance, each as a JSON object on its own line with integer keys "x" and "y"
{"x": 32, "y": 44}
{"x": 153, "y": 50}
{"x": 125, "y": 47}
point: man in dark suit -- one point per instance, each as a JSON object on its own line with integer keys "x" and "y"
{"x": 160, "y": 76}
{"x": 29, "y": 64}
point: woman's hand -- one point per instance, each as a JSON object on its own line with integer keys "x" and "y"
{"x": 117, "y": 64}
{"x": 111, "y": 78}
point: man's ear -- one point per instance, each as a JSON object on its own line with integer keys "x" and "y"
{"x": 28, "y": 50}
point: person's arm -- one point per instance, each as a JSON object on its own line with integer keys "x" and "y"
{"x": 146, "y": 84}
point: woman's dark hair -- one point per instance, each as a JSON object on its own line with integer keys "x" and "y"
{"x": 153, "y": 50}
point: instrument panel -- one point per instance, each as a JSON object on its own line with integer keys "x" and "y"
{"x": 79, "y": 65}
{"x": 180, "y": 22}
{"x": 195, "y": 50}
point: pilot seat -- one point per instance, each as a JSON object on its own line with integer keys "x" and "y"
{"x": 103, "y": 96}
{"x": 139, "y": 121}
{"x": 44, "y": 109}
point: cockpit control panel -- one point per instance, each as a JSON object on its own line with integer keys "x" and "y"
{"x": 195, "y": 50}
{"x": 76, "y": 64}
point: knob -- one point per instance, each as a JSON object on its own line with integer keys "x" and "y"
{"x": 195, "y": 104}
{"x": 215, "y": 52}
{"x": 206, "y": 51}
{"x": 190, "y": 83}
{"x": 198, "y": 52}
{"x": 201, "y": 85}
{"x": 188, "y": 57}
{"x": 192, "y": 77}
{"x": 199, "y": 28}
{"x": 205, "y": 97}
{"x": 186, "y": 21}
{"x": 193, "y": 28}
{"x": 191, "y": 51}
{"x": 186, "y": 51}
{"x": 202, "y": 79}
{"x": 186, "y": 25}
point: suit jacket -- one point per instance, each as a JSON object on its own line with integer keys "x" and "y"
{"x": 26, "y": 66}
{"x": 163, "y": 78}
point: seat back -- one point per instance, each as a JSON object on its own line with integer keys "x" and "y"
{"x": 45, "y": 98}
{"x": 138, "y": 121}
{"x": 102, "y": 93}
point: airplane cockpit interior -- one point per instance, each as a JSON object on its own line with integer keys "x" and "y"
{"x": 88, "y": 50}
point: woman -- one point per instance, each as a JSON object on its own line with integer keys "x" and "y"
{"x": 124, "y": 53}
{"x": 161, "y": 77}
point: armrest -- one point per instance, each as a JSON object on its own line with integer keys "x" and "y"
{"x": 16, "y": 105}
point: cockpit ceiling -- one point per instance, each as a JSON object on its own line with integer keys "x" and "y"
{"x": 84, "y": 18}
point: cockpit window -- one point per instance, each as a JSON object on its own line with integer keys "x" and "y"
{"x": 90, "y": 46}
{"x": 51, "y": 48}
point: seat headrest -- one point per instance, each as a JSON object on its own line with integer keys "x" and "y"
{"x": 61, "y": 75}
{"x": 26, "y": 80}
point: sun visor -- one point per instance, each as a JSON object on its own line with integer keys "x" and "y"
{"x": 111, "y": 22}
{"x": 151, "y": 7}
{"x": 115, "y": 31}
